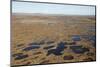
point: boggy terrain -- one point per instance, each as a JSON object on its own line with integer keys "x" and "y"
{"x": 43, "y": 39}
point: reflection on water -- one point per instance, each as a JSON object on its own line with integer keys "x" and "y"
{"x": 89, "y": 37}
{"x": 76, "y": 38}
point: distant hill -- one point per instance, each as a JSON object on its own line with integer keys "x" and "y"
{"x": 44, "y": 14}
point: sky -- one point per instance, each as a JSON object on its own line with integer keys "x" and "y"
{"x": 30, "y": 7}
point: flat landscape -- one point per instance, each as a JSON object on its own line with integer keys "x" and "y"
{"x": 52, "y": 38}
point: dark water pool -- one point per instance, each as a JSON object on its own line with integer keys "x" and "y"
{"x": 79, "y": 49}
{"x": 76, "y": 38}
{"x": 57, "y": 51}
{"x": 61, "y": 46}
{"x": 21, "y": 56}
{"x": 31, "y": 47}
{"x": 89, "y": 37}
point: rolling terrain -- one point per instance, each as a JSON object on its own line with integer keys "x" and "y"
{"x": 43, "y": 38}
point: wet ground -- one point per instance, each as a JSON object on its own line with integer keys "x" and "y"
{"x": 67, "y": 40}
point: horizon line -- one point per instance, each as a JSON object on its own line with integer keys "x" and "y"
{"x": 51, "y": 13}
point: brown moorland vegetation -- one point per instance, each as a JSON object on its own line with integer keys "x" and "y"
{"x": 43, "y": 39}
